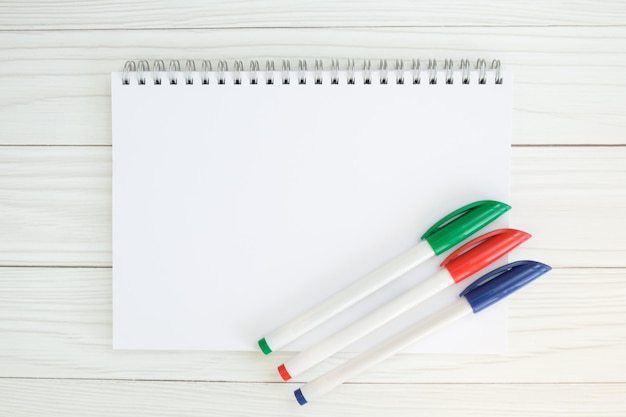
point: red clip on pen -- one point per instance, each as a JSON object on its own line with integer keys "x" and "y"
{"x": 462, "y": 263}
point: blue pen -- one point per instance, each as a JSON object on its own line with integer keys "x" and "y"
{"x": 482, "y": 293}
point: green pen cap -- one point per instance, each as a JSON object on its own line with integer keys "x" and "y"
{"x": 462, "y": 223}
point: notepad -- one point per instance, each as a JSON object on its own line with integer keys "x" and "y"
{"x": 245, "y": 194}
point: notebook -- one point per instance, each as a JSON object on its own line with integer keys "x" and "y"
{"x": 244, "y": 194}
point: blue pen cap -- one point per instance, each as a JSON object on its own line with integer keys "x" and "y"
{"x": 501, "y": 282}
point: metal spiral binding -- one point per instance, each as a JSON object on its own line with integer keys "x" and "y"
{"x": 286, "y": 70}
{"x": 495, "y": 65}
{"x": 465, "y": 71}
{"x": 319, "y": 67}
{"x": 399, "y": 71}
{"x": 238, "y": 67}
{"x": 190, "y": 68}
{"x": 481, "y": 66}
{"x": 174, "y": 68}
{"x": 142, "y": 66}
{"x": 269, "y": 70}
{"x": 350, "y": 71}
{"x": 432, "y": 71}
{"x": 334, "y": 71}
{"x": 302, "y": 71}
{"x": 383, "y": 71}
{"x": 206, "y": 68}
{"x": 157, "y": 69}
{"x": 416, "y": 71}
{"x": 316, "y": 76}
{"x": 367, "y": 72}
{"x": 128, "y": 67}
{"x": 254, "y": 68}
{"x": 222, "y": 67}
{"x": 448, "y": 66}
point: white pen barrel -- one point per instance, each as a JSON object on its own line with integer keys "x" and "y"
{"x": 349, "y": 295}
{"x": 368, "y": 323}
{"x": 397, "y": 343}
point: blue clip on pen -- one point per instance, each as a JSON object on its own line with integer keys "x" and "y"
{"x": 485, "y": 291}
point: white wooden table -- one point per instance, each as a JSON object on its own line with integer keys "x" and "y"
{"x": 567, "y": 341}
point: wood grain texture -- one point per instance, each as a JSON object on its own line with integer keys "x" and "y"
{"x": 55, "y": 205}
{"x": 568, "y": 86}
{"x": 144, "y": 14}
{"x": 569, "y": 327}
{"x": 26, "y": 398}
{"x": 567, "y": 331}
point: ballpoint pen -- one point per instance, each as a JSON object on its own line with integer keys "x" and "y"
{"x": 443, "y": 235}
{"x": 484, "y": 292}
{"x": 463, "y": 263}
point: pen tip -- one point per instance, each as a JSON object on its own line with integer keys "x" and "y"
{"x": 284, "y": 374}
{"x": 265, "y": 348}
{"x": 300, "y": 397}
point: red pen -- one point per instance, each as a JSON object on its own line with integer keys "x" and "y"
{"x": 462, "y": 263}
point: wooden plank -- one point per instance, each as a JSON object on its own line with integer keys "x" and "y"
{"x": 570, "y": 199}
{"x": 33, "y": 14}
{"x": 569, "y": 85}
{"x": 568, "y": 327}
{"x": 56, "y": 205}
{"x": 26, "y": 398}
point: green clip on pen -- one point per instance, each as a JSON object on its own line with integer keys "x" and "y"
{"x": 443, "y": 235}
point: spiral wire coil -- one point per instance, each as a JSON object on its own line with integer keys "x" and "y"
{"x": 142, "y": 67}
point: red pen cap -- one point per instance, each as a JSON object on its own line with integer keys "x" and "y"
{"x": 482, "y": 251}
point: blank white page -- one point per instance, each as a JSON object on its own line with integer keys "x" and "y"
{"x": 237, "y": 207}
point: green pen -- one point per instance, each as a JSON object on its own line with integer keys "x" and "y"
{"x": 443, "y": 235}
